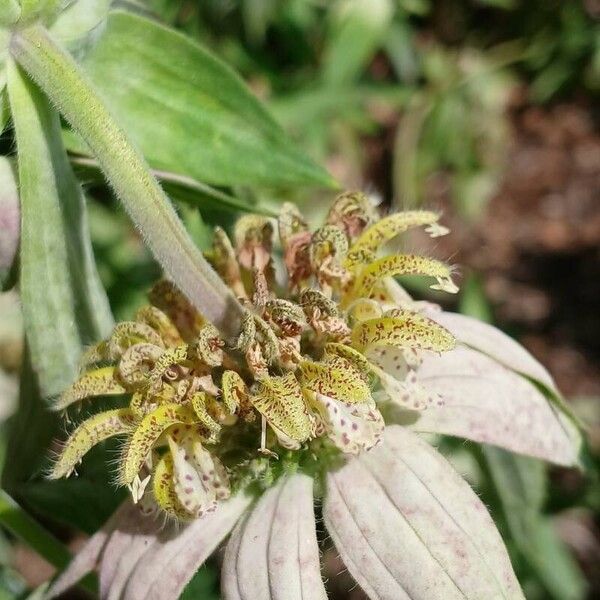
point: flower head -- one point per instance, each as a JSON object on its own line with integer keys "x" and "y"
{"x": 301, "y": 392}
{"x": 304, "y": 367}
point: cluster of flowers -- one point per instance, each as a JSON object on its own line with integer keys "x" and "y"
{"x": 316, "y": 348}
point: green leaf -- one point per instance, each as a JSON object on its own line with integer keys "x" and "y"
{"x": 357, "y": 31}
{"x": 181, "y": 187}
{"x": 17, "y": 521}
{"x": 188, "y": 112}
{"x": 9, "y": 220}
{"x": 4, "y": 111}
{"x": 473, "y": 301}
{"x": 520, "y": 483}
{"x": 85, "y": 501}
{"x": 29, "y": 531}
{"x": 31, "y": 430}
{"x": 9, "y": 12}
{"x": 64, "y": 304}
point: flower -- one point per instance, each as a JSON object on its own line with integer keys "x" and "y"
{"x": 244, "y": 433}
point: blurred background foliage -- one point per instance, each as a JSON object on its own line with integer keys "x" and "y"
{"x": 486, "y": 109}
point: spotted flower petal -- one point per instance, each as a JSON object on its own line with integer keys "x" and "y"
{"x": 402, "y": 329}
{"x": 99, "y": 382}
{"x": 407, "y": 526}
{"x": 273, "y": 553}
{"x": 280, "y": 401}
{"x": 398, "y": 377}
{"x": 336, "y": 378}
{"x": 351, "y": 427}
{"x": 375, "y": 236}
{"x": 404, "y": 264}
{"x": 147, "y": 432}
{"x": 486, "y": 402}
{"x": 92, "y": 431}
{"x": 199, "y": 478}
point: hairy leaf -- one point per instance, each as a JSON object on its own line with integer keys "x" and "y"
{"x": 188, "y": 112}
{"x": 64, "y": 304}
{"x": 124, "y": 167}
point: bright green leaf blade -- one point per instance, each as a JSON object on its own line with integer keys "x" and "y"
{"x": 188, "y": 112}
{"x": 64, "y": 305}
{"x": 9, "y": 220}
{"x": 520, "y": 483}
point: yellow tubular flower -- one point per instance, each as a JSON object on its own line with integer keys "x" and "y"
{"x": 404, "y": 264}
{"x": 164, "y": 489}
{"x": 91, "y": 432}
{"x": 280, "y": 401}
{"x": 402, "y": 329}
{"x": 388, "y": 228}
{"x": 146, "y": 434}
{"x": 99, "y": 382}
{"x": 336, "y": 378}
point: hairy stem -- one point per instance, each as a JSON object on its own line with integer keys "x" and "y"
{"x": 61, "y": 78}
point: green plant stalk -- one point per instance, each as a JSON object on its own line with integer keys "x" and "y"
{"x": 29, "y": 531}
{"x": 67, "y": 86}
